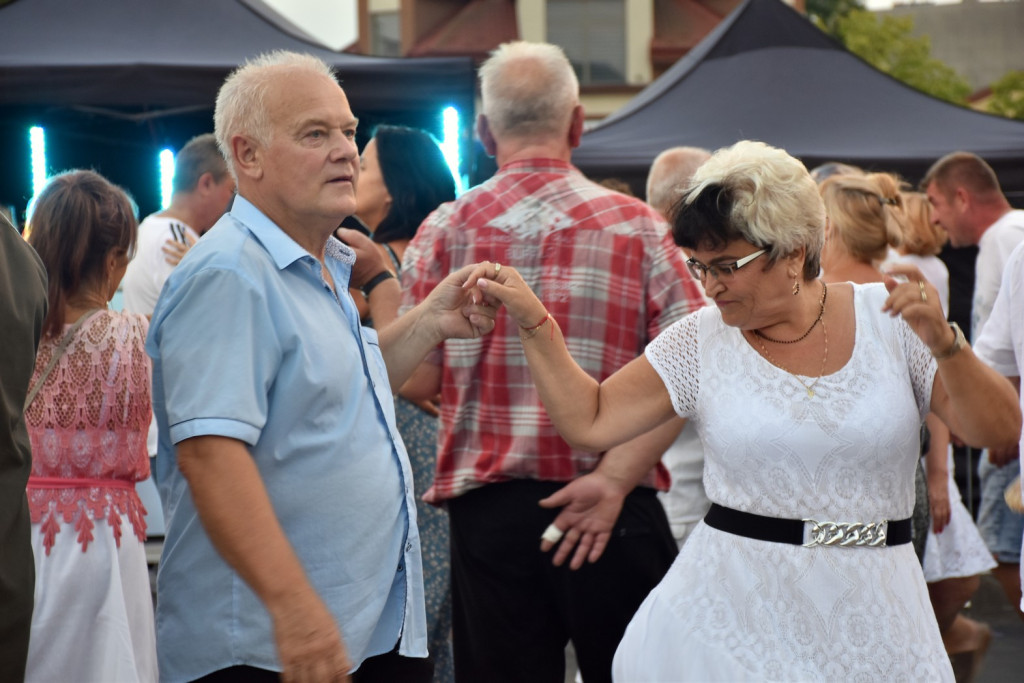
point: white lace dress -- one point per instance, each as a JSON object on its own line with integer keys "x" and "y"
{"x": 737, "y": 609}
{"x": 958, "y": 550}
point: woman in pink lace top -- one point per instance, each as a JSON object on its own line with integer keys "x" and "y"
{"x": 93, "y": 617}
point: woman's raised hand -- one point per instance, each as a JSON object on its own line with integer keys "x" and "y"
{"x": 501, "y": 284}
{"x": 913, "y": 298}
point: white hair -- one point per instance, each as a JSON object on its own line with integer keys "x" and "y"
{"x": 241, "y": 107}
{"x": 528, "y": 89}
{"x": 772, "y": 201}
{"x": 671, "y": 171}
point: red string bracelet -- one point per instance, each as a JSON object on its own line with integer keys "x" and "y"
{"x": 531, "y": 331}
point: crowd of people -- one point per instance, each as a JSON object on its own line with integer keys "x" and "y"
{"x": 400, "y": 435}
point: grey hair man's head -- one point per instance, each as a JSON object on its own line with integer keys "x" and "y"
{"x": 670, "y": 173}
{"x": 528, "y": 90}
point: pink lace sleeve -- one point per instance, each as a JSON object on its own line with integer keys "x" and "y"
{"x": 88, "y": 428}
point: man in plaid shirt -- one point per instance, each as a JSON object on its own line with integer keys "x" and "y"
{"x": 607, "y": 270}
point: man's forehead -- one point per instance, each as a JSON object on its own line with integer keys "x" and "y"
{"x": 317, "y": 100}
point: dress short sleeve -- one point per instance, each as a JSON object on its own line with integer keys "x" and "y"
{"x": 920, "y": 364}
{"x": 675, "y": 356}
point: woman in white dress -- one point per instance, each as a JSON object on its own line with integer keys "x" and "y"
{"x": 822, "y": 426}
{"x": 955, "y": 553}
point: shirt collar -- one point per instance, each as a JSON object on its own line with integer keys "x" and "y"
{"x": 538, "y": 164}
{"x": 282, "y": 248}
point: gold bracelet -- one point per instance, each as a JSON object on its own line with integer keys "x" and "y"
{"x": 529, "y": 332}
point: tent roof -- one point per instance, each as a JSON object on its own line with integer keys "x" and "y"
{"x": 171, "y": 54}
{"x": 767, "y": 73}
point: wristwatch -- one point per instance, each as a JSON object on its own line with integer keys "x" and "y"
{"x": 376, "y": 280}
{"x": 959, "y": 342}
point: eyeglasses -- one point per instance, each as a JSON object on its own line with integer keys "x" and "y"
{"x": 720, "y": 271}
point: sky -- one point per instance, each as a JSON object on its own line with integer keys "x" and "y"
{"x": 334, "y": 23}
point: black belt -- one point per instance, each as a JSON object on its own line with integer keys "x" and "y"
{"x": 791, "y": 531}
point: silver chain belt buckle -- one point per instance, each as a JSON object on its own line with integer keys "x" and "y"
{"x": 847, "y": 534}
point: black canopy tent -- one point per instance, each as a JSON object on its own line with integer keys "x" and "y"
{"x": 766, "y": 73}
{"x": 111, "y": 78}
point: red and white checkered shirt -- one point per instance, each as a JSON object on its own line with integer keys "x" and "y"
{"x": 607, "y": 270}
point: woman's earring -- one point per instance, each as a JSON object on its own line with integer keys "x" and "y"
{"x": 796, "y": 286}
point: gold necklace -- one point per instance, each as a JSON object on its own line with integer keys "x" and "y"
{"x": 821, "y": 312}
{"x": 821, "y": 373}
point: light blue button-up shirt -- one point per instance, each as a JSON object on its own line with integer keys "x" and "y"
{"x": 249, "y": 342}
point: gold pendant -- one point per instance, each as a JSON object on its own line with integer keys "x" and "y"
{"x": 810, "y": 393}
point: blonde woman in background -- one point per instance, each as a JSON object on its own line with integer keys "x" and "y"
{"x": 864, "y": 225}
{"x": 865, "y": 218}
{"x": 922, "y": 242}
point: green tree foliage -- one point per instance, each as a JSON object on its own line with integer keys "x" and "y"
{"x": 885, "y": 42}
{"x": 1008, "y": 96}
{"x": 826, "y": 13}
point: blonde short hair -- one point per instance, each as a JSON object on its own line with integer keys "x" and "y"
{"x": 241, "y": 107}
{"x": 757, "y": 193}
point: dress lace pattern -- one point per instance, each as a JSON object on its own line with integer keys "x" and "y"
{"x": 733, "y": 608}
{"x": 88, "y": 427}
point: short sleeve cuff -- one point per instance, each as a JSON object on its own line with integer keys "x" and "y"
{"x": 215, "y": 426}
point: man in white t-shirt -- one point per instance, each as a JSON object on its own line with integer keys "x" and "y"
{"x": 201, "y": 192}
{"x": 1001, "y": 343}
{"x": 967, "y": 201}
{"x": 685, "y": 502}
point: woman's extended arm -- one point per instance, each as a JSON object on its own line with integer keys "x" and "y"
{"x": 589, "y": 415}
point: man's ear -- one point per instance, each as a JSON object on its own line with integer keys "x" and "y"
{"x": 962, "y": 198}
{"x": 205, "y": 182}
{"x": 247, "y": 156}
{"x": 483, "y": 130}
{"x": 576, "y": 126}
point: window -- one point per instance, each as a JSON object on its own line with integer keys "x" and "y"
{"x": 593, "y": 35}
{"x": 386, "y": 37}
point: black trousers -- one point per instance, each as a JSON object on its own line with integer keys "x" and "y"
{"x": 386, "y": 668}
{"x": 514, "y": 612}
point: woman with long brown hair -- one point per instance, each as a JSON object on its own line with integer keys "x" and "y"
{"x": 88, "y": 412}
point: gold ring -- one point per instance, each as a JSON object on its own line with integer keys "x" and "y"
{"x": 924, "y": 295}
{"x": 497, "y": 269}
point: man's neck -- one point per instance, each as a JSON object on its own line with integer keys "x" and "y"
{"x": 989, "y": 214}
{"x": 516, "y": 150}
{"x": 179, "y": 212}
{"x": 309, "y": 233}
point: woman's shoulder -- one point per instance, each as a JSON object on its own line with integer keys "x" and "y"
{"x": 868, "y": 294}
{"x": 123, "y": 324}
{"x": 694, "y": 325}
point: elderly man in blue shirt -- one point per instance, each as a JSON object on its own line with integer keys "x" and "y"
{"x": 291, "y": 541}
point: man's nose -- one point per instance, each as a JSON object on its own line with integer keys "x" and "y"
{"x": 346, "y": 148}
